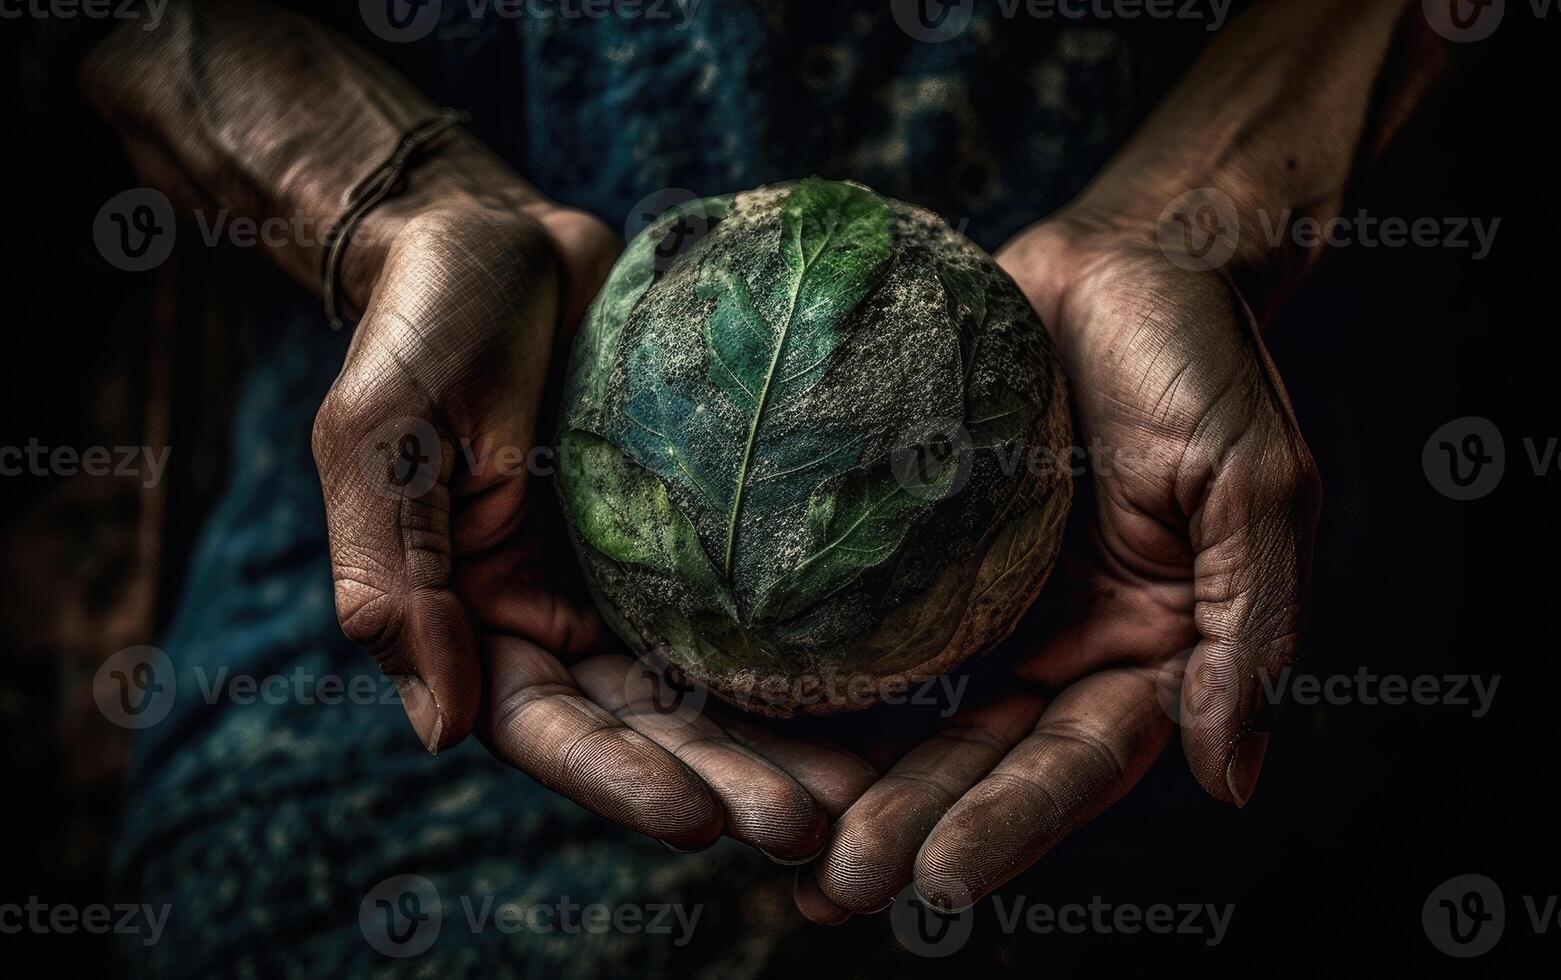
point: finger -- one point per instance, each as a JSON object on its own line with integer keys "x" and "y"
{"x": 1092, "y": 743}
{"x": 520, "y": 589}
{"x": 763, "y": 805}
{"x": 586, "y": 250}
{"x": 538, "y": 720}
{"x": 1253, "y": 536}
{"x": 814, "y": 905}
{"x": 833, "y": 775}
{"x": 387, "y": 505}
{"x": 872, "y": 852}
{"x": 388, "y": 462}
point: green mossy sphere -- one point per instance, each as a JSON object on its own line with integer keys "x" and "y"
{"x": 800, "y": 446}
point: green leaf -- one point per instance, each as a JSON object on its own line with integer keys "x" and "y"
{"x": 631, "y": 277}
{"x": 995, "y": 420}
{"x": 851, "y": 529}
{"x": 1027, "y": 542}
{"x": 967, "y": 307}
{"x": 715, "y": 643}
{"x": 771, "y": 336}
{"x": 623, "y": 511}
{"x": 920, "y": 630}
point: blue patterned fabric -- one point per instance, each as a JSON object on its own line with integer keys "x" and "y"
{"x": 264, "y": 823}
{"x": 991, "y": 128}
{"x": 264, "y": 819}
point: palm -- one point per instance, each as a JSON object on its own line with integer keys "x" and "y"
{"x": 452, "y": 570}
{"x": 1190, "y": 536}
{"x": 422, "y": 446}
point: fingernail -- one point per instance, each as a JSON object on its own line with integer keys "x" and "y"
{"x": 421, "y": 710}
{"x": 674, "y": 850}
{"x": 955, "y": 906}
{"x": 1246, "y": 762}
{"x": 792, "y": 862}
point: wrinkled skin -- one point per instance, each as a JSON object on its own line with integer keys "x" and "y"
{"x": 466, "y": 592}
{"x": 1196, "y": 537}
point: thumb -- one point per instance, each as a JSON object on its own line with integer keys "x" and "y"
{"x": 1253, "y": 537}
{"x": 586, "y": 250}
{"x": 385, "y": 476}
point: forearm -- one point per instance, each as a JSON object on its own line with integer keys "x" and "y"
{"x": 1279, "y": 114}
{"x": 262, "y": 113}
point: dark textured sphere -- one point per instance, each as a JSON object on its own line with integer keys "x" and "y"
{"x": 814, "y": 446}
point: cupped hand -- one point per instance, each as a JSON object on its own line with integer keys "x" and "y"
{"x": 1181, "y": 586}
{"x": 449, "y": 561}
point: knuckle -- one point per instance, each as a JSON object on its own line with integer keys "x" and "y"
{"x": 510, "y": 246}
{"x": 322, "y": 434}
{"x": 371, "y": 618}
{"x": 1306, "y": 481}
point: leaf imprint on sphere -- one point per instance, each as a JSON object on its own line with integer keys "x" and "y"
{"x": 850, "y": 529}
{"x": 624, "y": 512}
{"x": 596, "y": 353}
{"x": 834, "y": 245}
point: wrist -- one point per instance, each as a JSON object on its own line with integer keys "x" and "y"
{"x": 1235, "y": 234}
{"x": 457, "y": 177}
{"x": 464, "y": 182}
